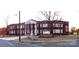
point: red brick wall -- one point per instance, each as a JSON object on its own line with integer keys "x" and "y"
{"x": 3, "y": 31}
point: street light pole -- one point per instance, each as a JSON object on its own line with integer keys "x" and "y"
{"x": 19, "y": 28}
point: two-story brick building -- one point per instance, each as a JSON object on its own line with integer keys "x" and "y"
{"x": 57, "y": 27}
{"x": 33, "y": 27}
{"x": 42, "y": 27}
{"x": 3, "y": 31}
{"x": 13, "y": 29}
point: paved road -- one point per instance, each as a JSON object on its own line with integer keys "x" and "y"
{"x": 5, "y": 43}
{"x": 11, "y": 43}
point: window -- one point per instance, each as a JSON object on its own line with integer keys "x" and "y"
{"x": 66, "y": 28}
{"x": 53, "y": 24}
{"x": 12, "y": 32}
{"x": 40, "y": 25}
{"x": 17, "y": 26}
{"x": 56, "y": 31}
{"x": 61, "y": 25}
{"x": 46, "y": 32}
{"x": 23, "y": 31}
{"x": 20, "y": 26}
{"x": 40, "y": 31}
{"x": 11, "y": 27}
{"x": 57, "y": 25}
{"x": 23, "y": 25}
{"x": 61, "y": 31}
{"x": 45, "y": 25}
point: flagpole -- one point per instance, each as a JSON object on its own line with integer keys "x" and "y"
{"x": 19, "y": 28}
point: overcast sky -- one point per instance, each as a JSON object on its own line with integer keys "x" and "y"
{"x": 30, "y": 10}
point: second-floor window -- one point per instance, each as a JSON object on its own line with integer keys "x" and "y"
{"x": 66, "y": 27}
{"x": 12, "y": 27}
{"x": 41, "y": 25}
{"x": 45, "y": 25}
{"x": 57, "y": 25}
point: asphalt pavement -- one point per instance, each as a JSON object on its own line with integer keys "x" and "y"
{"x": 11, "y": 43}
{"x": 5, "y": 43}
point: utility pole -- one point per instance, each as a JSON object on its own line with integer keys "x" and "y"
{"x": 19, "y": 28}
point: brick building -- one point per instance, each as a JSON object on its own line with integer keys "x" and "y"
{"x": 3, "y": 31}
{"x": 32, "y": 27}
{"x": 57, "y": 27}
{"x": 42, "y": 27}
{"x": 13, "y": 29}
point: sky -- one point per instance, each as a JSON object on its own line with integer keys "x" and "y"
{"x": 30, "y": 9}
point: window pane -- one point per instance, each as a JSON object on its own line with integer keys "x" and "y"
{"x": 46, "y": 32}
{"x": 56, "y": 31}
{"x": 45, "y": 25}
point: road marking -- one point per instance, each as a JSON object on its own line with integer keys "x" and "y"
{"x": 9, "y": 43}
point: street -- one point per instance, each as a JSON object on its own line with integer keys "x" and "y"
{"x": 5, "y": 43}
{"x": 61, "y": 41}
{"x": 11, "y": 43}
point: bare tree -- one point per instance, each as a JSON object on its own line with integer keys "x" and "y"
{"x": 6, "y": 22}
{"x": 73, "y": 30}
{"x": 50, "y": 16}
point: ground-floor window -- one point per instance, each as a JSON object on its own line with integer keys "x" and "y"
{"x": 12, "y": 32}
{"x": 46, "y": 32}
{"x": 57, "y": 30}
{"x": 61, "y": 30}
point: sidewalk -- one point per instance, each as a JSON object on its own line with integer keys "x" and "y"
{"x": 12, "y": 37}
{"x": 53, "y": 39}
{"x": 37, "y": 39}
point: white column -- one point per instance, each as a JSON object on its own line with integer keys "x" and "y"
{"x": 25, "y": 29}
{"x": 35, "y": 30}
{"x": 31, "y": 30}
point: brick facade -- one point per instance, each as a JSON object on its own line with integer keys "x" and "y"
{"x": 13, "y": 29}
{"x": 33, "y": 27}
{"x": 57, "y": 27}
{"x": 3, "y": 31}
